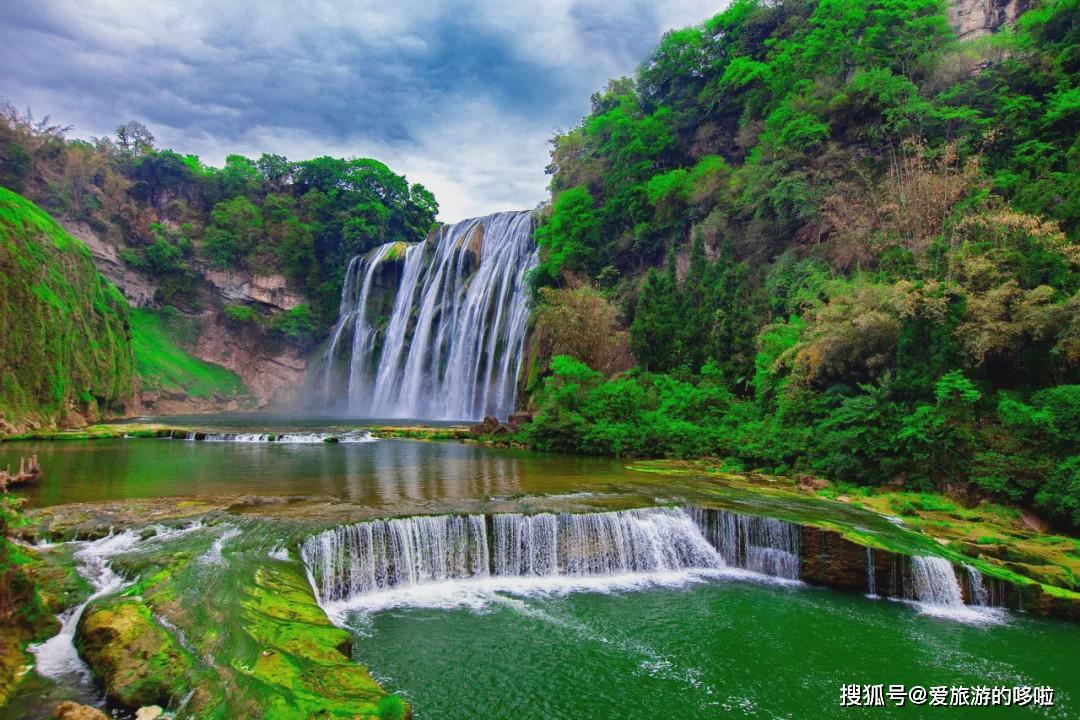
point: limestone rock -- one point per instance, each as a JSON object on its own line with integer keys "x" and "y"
{"x": 245, "y": 287}
{"x": 490, "y": 426}
{"x": 148, "y": 712}
{"x": 972, "y": 18}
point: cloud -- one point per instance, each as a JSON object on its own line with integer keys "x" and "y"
{"x": 459, "y": 95}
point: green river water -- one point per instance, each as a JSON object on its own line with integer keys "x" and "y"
{"x": 731, "y": 645}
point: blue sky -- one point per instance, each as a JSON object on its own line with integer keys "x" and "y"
{"x": 461, "y": 96}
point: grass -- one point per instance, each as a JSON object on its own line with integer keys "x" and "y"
{"x": 164, "y": 366}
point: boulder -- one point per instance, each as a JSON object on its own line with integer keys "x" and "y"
{"x": 69, "y": 710}
{"x": 137, "y": 660}
{"x": 490, "y": 426}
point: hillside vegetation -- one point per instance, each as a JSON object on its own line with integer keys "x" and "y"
{"x": 165, "y": 367}
{"x": 174, "y": 219}
{"x": 64, "y": 335}
{"x": 842, "y": 242}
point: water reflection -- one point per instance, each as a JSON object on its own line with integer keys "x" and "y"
{"x": 384, "y": 474}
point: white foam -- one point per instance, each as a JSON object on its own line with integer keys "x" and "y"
{"x": 57, "y": 657}
{"x": 214, "y": 555}
{"x": 479, "y": 592}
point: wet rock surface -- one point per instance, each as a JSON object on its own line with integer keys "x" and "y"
{"x": 136, "y": 660}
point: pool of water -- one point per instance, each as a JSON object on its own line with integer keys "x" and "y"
{"x": 719, "y": 649}
{"x": 382, "y": 474}
{"x": 704, "y": 646}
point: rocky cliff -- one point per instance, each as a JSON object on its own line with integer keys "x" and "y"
{"x": 271, "y": 371}
{"x": 972, "y": 18}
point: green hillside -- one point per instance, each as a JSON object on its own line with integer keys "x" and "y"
{"x": 163, "y": 366}
{"x": 842, "y": 241}
{"x": 64, "y": 337}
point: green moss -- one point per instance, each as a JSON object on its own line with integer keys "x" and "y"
{"x": 136, "y": 659}
{"x": 164, "y": 366}
{"x": 300, "y": 655}
{"x": 64, "y": 333}
{"x": 421, "y": 432}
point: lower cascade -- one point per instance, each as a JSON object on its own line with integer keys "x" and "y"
{"x": 433, "y": 330}
{"x": 933, "y": 582}
{"x": 761, "y": 544}
{"x": 354, "y": 560}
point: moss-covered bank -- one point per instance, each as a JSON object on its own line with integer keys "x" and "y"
{"x": 65, "y": 350}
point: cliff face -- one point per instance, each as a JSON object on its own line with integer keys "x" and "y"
{"x": 65, "y": 348}
{"x": 972, "y": 18}
{"x": 271, "y": 371}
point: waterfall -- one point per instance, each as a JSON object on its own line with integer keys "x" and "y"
{"x": 978, "y": 594}
{"x": 933, "y": 582}
{"x": 871, "y": 581}
{"x": 760, "y": 544}
{"x": 596, "y": 544}
{"x": 446, "y": 341}
{"x": 354, "y": 560}
{"x": 362, "y": 558}
{"x": 982, "y": 593}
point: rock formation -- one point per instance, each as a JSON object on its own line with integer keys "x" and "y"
{"x": 972, "y": 18}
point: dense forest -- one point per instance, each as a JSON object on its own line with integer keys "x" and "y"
{"x": 826, "y": 237}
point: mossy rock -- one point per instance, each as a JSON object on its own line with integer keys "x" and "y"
{"x": 64, "y": 329}
{"x": 301, "y": 660}
{"x": 138, "y": 662}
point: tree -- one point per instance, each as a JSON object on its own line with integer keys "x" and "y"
{"x": 569, "y": 237}
{"x": 653, "y": 334}
{"x": 134, "y": 139}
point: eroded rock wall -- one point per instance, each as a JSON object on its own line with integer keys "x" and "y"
{"x": 972, "y": 18}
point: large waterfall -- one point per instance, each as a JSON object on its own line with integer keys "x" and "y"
{"x": 433, "y": 330}
{"x": 354, "y": 560}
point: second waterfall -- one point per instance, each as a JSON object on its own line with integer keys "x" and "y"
{"x": 434, "y": 330}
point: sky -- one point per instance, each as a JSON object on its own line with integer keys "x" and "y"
{"x": 460, "y": 95}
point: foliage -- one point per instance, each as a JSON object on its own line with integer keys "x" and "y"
{"x": 172, "y": 214}
{"x": 296, "y": 325}
{"x": 580, "y": 322}
{"x": 857, "y": 230}
{"x": 165, "y": 367}
{"x": 64, "y": 331}
{"x": 239, "y": 315}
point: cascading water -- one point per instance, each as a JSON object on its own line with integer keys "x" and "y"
{"x": 760, "y": 544}
{"x": 871, "y": 580}
{"x": 449, "y": 345}
{"x": 362, "y": 558}
{"x": 651, "y": 540}
{"x": 980, "y": 592}
{"x": 355, "y": 560}
{"x": 933, "y": 582}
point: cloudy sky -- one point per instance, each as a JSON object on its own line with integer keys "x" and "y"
{"x": 460, "y": 95}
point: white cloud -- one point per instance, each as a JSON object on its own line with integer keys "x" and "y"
{"x": 459, "y": 95}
